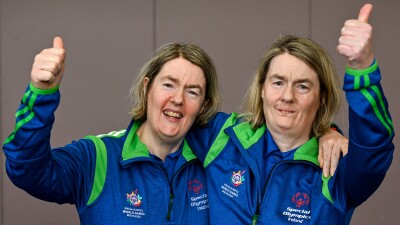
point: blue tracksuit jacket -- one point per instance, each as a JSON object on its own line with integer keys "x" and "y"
{"x": 295, "y": 191}
{"x": 110, "y": 178}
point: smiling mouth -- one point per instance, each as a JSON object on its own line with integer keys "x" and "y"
{"x": 173, "y": 114}
{"x": 286, "y": 111}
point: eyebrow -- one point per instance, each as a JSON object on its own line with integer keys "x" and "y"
{"x": 302, "y": 80}
{"x": 169, "y": 77}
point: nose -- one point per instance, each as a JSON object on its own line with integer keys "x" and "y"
{"x": 287, "y": 95}
{"x": 177, "y": 97}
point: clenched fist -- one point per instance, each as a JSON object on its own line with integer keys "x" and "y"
{"x": 48, "y": 67}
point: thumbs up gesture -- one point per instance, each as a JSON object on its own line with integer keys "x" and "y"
{"x": 48, "y": 66}
{"x": 355, "y": 42}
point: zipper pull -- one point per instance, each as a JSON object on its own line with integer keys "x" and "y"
{"x": 255, "y": 216}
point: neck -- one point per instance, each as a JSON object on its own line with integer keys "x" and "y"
{"x": 157, "y": 145}
{"x": 287, "y": 142}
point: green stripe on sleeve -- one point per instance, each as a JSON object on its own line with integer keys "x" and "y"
{"x": 357, "y": 83}
{"x": 21, "y": 111}
{"x": 367, "y": 82}
{"x": 100, "y": 170}
{"x": 26, "y": 95}
{"x": 382, "y": 104}
{"x": 22, "y": 122}
{"x": 374, "y": 106}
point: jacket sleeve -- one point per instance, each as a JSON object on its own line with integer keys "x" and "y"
{"x": 371, "y": 134}
{"x": 211, "y": 136}
{"x": 60, "y": 175}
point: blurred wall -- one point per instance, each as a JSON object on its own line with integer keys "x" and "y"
{"x": 107, "y": 43}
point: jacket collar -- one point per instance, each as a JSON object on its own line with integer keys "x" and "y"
{"x": 135, "y": 150}
{"x": 248, "y": 137}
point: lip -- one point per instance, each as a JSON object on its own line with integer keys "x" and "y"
{"x": 285, "y": 110}
{"x": 172, "y": 114}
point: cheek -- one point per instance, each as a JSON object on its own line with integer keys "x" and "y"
{"x": 155, "y": 101}
{"x": 311, "y": 106}
{"x": 194, "y": 108}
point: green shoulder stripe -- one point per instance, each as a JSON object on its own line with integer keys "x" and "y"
{"x": 220, "y": 141}
{"x": 325, "y": 189}
{"x": 113, "y": 134}
{"x": 309, "y": 152}
{"x": 100, "y": 168}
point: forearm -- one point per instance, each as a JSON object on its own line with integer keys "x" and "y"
{"x": 370, "y": 134}
{"x": 29, "y": 161}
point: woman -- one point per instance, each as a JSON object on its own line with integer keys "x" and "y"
{"x": 265, "y": 169}
{"x": 128, "y": 176}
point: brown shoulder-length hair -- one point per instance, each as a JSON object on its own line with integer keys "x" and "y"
{"x": 153, "y": 66}
{"x": 317, "y": 58}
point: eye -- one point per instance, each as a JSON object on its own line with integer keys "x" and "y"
{"x": 193, "y": 92}
{"x": 303, "y": 87}
{"x": 277, "y": 83}
{"x": 167, "y": 85}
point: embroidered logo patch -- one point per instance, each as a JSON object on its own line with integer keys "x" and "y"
{"x": 300, "y": 213}
{"x": 195, "y": 186}
{"x": 134, "y": 198}
{"x": 300, "y": 199}
{"x": 237, "y": 178}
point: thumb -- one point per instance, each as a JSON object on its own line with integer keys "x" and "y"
{"x": 58, "y": 42}
{"x": 365, "y": 11}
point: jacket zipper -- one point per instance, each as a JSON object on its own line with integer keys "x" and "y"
{"x": 171, "y": 193}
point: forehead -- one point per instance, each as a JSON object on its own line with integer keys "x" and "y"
{"x": 289, "y": 65}
{"x": 182, "y": 70}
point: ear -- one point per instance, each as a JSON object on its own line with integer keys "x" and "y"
{"x": 322, "y": 101}
{"x": 146, "y": 81}
{"x": 204, "y": 106}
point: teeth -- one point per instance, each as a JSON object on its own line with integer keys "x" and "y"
{"x": 286, "y": 111}
{"x": 173, "y": 114}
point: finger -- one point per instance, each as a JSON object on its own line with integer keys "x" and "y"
{"x": 320, "y": 157}
{"x": 365, "y": 12}
{"x": 49, "y": 58}
{"x": 345, "y": 50}
{"x": 42, "y": 76}
{"x": 327, "y": 160}
{"x": 58, "y": 42}
{"x": 335, "y": 157}
{"x": 345, "y": 147}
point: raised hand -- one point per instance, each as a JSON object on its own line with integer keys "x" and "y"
{"x": 355, "y": 42}
{"x": 48, "y": 67}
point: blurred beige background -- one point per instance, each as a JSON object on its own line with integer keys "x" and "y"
{"x": 107, "y": 42}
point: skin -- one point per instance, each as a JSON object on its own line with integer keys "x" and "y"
{"x": 175, "y": 99}
{"x": 291, "y": 98}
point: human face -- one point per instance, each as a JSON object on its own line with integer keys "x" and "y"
{"x": 175, "y": 99}
{"x": 291, "y": 97}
